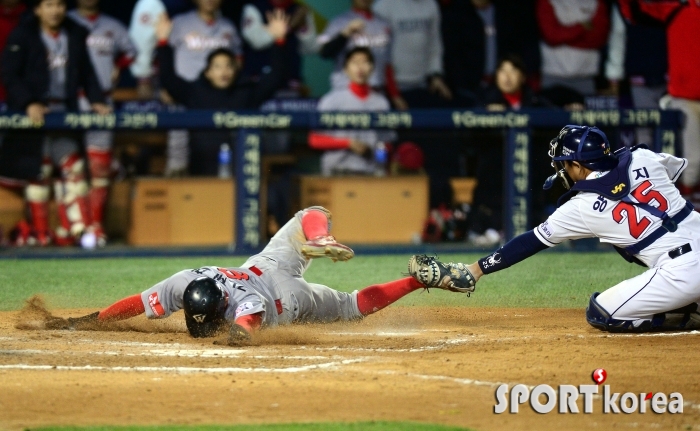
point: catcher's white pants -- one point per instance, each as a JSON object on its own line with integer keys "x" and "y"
{"x": 671, "y": 284}
{"x": 282, "y": 262}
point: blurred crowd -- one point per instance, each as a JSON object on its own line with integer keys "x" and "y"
{"x": 60, "y": 55}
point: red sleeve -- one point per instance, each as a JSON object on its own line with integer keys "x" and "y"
{"x": 123, "y": 61}
{"x": 553, "y": 33}
{"x": 320, "y": 141}
{"x": 250, "y": 322}
{"x": 391, "y": 88}
{"x": 597, "y": 37}
{"x": 123, "y": 309}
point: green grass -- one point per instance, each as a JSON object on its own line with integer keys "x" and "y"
{"x": 555, "y": 280}
{"x": 359, "y": 426}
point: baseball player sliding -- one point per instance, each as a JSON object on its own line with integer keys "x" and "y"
{"x": 627, "y": 199}
{"x": 268, "y": 289}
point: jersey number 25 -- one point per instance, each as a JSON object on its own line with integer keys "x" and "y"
{"x": 646, "y": 195}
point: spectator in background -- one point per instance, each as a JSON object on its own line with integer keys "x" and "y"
{"x": 509, "y": 90}
{"x": 10, "y": 13}
{"x": 255, "y": 29}
{"x": 476, "y": 33}
{"x": 353, "y": 152}
{"x": 220, "y": 86}
{"x": 110, "y": 50}
{"x": 573, "y": 32}
{"x": 637, "y": 52}
{"x": 682, "y": 21}
{"x": 360, "y": 27}
{"x": 143, "y": 33}
{"x": 44, "y": 66}
{"x": 194, "y": 36}
{"x": 416, "y": 50}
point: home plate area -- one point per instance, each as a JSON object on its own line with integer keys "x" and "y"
{"x": 437, "y": 365}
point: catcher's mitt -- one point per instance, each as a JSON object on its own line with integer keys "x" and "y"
{"x": 430, "y": 272}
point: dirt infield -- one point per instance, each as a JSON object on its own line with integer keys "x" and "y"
{"x": 405, "y": 363}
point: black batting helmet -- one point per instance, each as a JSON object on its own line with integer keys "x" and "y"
{"x": 204, "y": 303}
{"x": 587, "y": 145}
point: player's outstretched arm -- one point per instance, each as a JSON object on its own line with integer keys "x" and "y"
{"x": 516, "y": 250}
{"x": 242, "y": 328}
{"x": 461, "y": 278}
{"x": 123, "y": 309}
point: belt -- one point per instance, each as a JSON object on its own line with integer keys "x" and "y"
{"x": 680, "y": 251}
{"x": 254, "y": 269}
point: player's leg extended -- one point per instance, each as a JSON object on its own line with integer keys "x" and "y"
{"x": 661, "y": 298}
{"x": 303, "y": 237}
{"x": 37, "y": 194}
{"x": 71, "y": 192}
{"x": 316, "y": 225}
{"x": 99, "y": 152}
{"x": 319, "y": 303}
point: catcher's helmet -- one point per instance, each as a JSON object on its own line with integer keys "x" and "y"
{"x": 587, "y": 145}
{"x": 204, "y": 302}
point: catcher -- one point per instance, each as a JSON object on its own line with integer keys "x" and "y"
{"x": 627, "y": 199}
{"x": 267, "y": 290}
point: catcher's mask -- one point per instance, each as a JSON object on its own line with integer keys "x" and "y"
{"x": 587, "y": 145}
{"x": 204, "y": 302}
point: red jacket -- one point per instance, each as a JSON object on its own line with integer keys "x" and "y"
{"x": 553, "y": 33}
{"x": 683, "y": 38}
{"x": 9, "y": 18}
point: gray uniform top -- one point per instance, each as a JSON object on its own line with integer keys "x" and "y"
{"x": 346, "y": 161}
{"x": 193, "y": 39}
{"x": 416, "y": 48}
{"x": 57, "y": 50}
{"x": 248, "y": 293}
{"x": 376, "y": 36}
{"x": 488, "y": 17}
{"x": 108, "y": 40}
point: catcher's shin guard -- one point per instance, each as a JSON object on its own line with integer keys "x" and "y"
{"x": 100, "y": 165}
{"x": 37, "y": 196}
{"x": 72, "y": 197}
{"x": 429, "y": 271}
{"x": 599, "y": 318}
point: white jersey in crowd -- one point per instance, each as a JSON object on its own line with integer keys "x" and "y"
{"x": 254, "y": 31}
{"x": 652, "y": 178}
{"x": 346, "y": 161}
{"x": 416, "y": 49}
{"x": 107, "y": 41}
{"x": 376, "y": 36}
{"x": 248, "y": 293}
{"x": 142, "y": 30}
{"x": 193, "y": 39}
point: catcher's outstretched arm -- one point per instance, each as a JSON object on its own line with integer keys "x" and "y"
{"x": 517, "y": 249}
{"x": 123, "y": 309}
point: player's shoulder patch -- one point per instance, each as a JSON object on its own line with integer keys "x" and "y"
{"x": 155, "y": 305}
